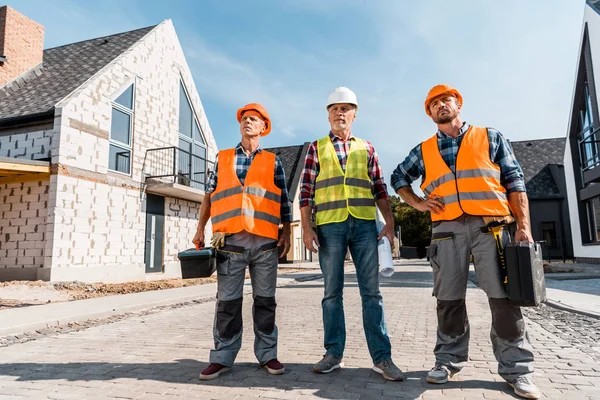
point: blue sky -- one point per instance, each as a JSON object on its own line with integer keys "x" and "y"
{"x": 513, "y": 60}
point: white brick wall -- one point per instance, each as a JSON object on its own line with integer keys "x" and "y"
{"x": 97, "y": 225}
{"x": 32, "y": 145}
{"x": 181, "y": 220}
{"x": 23, "y": 212}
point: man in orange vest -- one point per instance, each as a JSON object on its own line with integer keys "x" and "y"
{"x": 246, "y": 200}
{"x": 470, "y": 177}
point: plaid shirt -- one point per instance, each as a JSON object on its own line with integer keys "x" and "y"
{"x": 242, "y": 163}
{"x": 342, "y": 147}
{"x": 511, "y": 175}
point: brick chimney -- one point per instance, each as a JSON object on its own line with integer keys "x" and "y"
{"x": 21, "y": 44}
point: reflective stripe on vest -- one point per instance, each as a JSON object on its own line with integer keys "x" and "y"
{"x": 338, "y": 194}
{"x": 254, "y": 207}
{"x": 475, "y": 189}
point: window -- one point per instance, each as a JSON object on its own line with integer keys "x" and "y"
{"x": 593, "y": 211}
{"x": 119, "y": 154}
{"x": 549, "y": 234}
{"x": 192, "y": 147}
{"x": 589, "y": 139}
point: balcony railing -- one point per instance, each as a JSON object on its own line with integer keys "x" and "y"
{"x": 589, "y": 149}
{"x": 174, "y": 165}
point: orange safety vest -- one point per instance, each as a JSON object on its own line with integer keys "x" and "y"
{"x": 254, "y": 207}
{"x": 475, "y": 189}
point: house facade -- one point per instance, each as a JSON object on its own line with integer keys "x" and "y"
{"x": 104, "y": 151}
{"x": 542, "y": 164}
{"x": 582, "y": 150}
{"x": 292, "y": 158}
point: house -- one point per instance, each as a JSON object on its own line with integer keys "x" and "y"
{"x": 292, "y": 158}
{"x": 104, "y": 151}
{"x": 582, "y": 150}
{"x": 542, "y": 164}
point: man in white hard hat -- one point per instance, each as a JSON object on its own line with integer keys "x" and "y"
{"x": 342, "y": 182}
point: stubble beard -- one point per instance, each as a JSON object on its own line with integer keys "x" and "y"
{"x": 444, "y": 119}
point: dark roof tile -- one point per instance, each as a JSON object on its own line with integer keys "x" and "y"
{"x": 292, "y": 158}
{"x": 534, "y": 156}
{"x": 63, "y": 70}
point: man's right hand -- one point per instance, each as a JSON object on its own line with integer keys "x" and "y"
{"x": 198, "y": 239}
{"x": 310, "y": 239}
{"x": 432, "y": 204}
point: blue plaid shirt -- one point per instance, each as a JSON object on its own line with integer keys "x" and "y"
{"x": 511, "y": 175}
{"x": 242, "y": 163}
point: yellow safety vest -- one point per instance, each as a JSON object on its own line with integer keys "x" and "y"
{"x": 338, "y": 193}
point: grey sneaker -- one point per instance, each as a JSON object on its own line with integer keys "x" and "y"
{"x": 389, "y": 371}
{"x": 327, "y": 364}
{"x": 524, "y": 387}
{"x": 439, "y": 374}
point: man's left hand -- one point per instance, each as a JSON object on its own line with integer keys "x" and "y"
{"x": 388, "y": 231}
{"x": 523, "y": 235}
{"x": 284, "y": 241}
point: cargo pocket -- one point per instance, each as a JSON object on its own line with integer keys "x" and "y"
{"x": 265, "y": 248}
{"x": 442, "y": 248}
{"x": 223, "y": 261}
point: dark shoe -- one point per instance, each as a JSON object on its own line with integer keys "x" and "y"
{"x": 524, "y": 387}
{"x": 439, "y": 374}
{"x": 213, "y": 371}
{"x": 274, "y": 367}
{"x": 328, "y": 364}
{"x": 389, "y": 371}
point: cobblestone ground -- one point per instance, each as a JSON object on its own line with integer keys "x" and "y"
{"x": 158, "y": 355}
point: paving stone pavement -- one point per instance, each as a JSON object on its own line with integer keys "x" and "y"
{"x": 158, "y": 355}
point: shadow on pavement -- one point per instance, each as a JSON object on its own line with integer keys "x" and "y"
{"x": 343, "y": 383}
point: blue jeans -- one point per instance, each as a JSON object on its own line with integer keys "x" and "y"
{"x": 361, "y": 237}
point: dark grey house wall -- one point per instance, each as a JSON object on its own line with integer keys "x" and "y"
{"x": 550, "y": 211}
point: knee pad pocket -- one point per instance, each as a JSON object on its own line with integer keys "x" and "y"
{"x": 264, "y": 313}
{"x": 452, "y": 317}
{"x": 229, "y": 318}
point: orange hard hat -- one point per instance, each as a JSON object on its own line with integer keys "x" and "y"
{"x": 438, "y": 90}
{"x": 259, "y": 109}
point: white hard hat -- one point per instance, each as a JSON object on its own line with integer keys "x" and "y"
{"x": 342, "y": 95}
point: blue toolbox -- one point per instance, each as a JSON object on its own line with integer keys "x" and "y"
{"x": 199, "y": 263}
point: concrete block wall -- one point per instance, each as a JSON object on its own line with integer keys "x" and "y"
{"x": 31, "y": 144}
{"x": 98, "y": 232}
{"x": 181, "y": 219}
{"x": 23, "y": 212}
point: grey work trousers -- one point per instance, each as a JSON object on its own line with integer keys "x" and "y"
{"x": 261, "y": 256}
{"x": 451, "y": 246}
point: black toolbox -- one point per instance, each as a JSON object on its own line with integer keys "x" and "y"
{"x": 525, "y": 285}
{"x": 197, "y": 263}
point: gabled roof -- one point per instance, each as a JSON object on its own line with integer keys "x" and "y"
{"x": 292, "y": 158}
{"x": 535, "y": 156}
{"x": 63, "y": 70}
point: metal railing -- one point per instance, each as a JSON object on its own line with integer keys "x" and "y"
{"x": 175, "y": 165}
{"x": 589, "y": 149}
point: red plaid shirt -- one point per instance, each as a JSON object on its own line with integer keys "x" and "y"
{"x": 342, "y": 147}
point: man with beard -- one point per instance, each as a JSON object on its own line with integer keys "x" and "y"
{"x": 470, "y": 177}
{"x": 342, "y": 182}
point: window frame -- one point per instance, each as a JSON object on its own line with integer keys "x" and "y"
{"x": 130, "y": 113}
{"x": 191, "y": 141}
